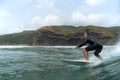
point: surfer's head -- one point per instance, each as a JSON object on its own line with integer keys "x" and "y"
{"x": 87, "y": 34}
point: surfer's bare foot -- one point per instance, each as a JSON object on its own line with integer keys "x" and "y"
{"x": 88, "y": 60}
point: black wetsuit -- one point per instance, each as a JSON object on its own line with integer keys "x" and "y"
{"x": 94, "y": 44}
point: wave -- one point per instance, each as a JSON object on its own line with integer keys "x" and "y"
{"x": 58, "y": 46}
{"x": 11, "y": 46}
{"x": 22, "y": 46}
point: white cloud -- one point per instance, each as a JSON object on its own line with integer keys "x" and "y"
{"x": 36, "y": 20}
{"x": 32, "y": 13}
{"x": 48, "y": 20}
{"x": 51, "y": 20}
{"x": 4, "y": 29}
{"x": 114, "y": 20}
{"x": 36, "y": 4}
{"x": 94, "y": 2}
{"x": 77, "y": 19}
{"x": 45, "y": 3}
{"x": 3, "y": 14}
{"x": 95, "y": 19}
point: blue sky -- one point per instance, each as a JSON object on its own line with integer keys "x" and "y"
{"x": 19, "y": 15}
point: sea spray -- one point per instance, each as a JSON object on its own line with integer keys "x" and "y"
{"x": 109, "y": 52}
{"x": 116, "y": 50}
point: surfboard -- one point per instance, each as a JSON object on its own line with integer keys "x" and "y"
{"x": 77, "y": 62}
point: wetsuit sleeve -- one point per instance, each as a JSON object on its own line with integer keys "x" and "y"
{"x": 80, "y": 45}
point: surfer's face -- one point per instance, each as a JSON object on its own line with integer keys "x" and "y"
{"x": 85, "y": 35}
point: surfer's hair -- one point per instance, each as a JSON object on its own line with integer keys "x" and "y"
{"x": 88, "y": 32}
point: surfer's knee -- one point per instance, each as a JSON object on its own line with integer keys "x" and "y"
{"x": 84, "y": 50}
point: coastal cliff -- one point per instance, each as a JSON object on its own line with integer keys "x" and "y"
{"x": 61, "y": 36}
{"x": 70, "y": 35}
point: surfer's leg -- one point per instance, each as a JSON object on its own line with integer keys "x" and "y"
{"x": 86, "y": 54}
{"x": 97, "y": 53}
{"x": 98, "y": 56}
{"x": 85, "y": 51}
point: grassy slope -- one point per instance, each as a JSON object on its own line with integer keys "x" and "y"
{"x": 68, "y": 30}
{"x": 26, "y": 37}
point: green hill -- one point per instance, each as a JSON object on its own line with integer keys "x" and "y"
{"x": 23, "y": 38}
{"x": 70, "y": 35}
{"x": 61, "y": 35}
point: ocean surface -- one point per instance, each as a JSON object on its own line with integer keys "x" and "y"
{"x": 45, "y": 63}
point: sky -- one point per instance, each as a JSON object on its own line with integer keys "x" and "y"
{"x": 20, "y": 15}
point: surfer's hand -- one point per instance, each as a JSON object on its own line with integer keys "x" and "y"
{"x": 76, "y": 47}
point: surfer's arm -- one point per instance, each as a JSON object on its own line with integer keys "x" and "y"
{"x": 82, "y": 44}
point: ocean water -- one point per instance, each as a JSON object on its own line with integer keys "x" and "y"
{"x": 44, "y": 63}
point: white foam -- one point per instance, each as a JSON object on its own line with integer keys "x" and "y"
{"x": 10, "y": 46}
{"x": 22, "y": 46}
{"x": 115, "y": 51}
{"x": 58, "y": 46}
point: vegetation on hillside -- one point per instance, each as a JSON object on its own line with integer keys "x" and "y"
{"x": 23, "y": 38}
{"x": 60, "y": 35}
{"x": 70, "y": 35}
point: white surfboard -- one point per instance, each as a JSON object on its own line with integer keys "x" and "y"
{"x": 77, "y": 62}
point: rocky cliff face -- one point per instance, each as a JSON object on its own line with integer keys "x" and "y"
{"x": 60, "y": 35}
{"x": 69, "y": 35}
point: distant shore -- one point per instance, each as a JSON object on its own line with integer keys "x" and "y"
{"x": 60, "y": 35}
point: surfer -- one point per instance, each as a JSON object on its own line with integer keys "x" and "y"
{"x": 94, "y": 44}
